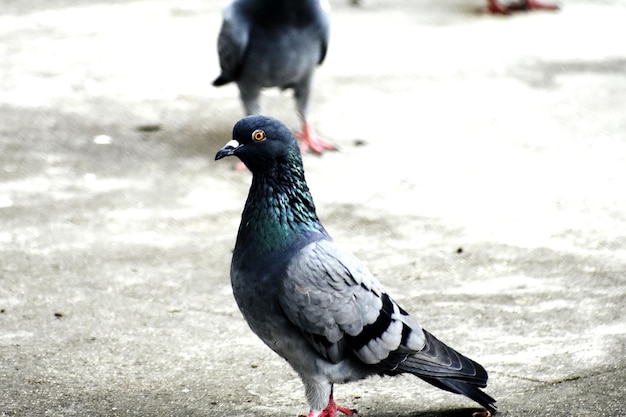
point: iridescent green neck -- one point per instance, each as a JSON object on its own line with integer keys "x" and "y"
{"x": 279, "y": 215}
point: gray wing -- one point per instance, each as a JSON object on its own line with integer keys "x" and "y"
{"x": 232, "y": 43}
{"x": 339, "y": 305}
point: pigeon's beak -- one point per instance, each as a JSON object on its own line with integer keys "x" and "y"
{"x": 228, "y": 150}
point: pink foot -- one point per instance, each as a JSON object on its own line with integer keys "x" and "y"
{"x": 331, "y": 410}
{"x": 494, "y": 6}
{"x": 240, "y": 166}
{"x": 537, "y": 5}
{"x": 310, "y": 140}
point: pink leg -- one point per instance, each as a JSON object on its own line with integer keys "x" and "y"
{"x": 537, "y": 5}
{"x": 240, "y": 166}
{"x": 310, "y": 140}
{"x": 494, "y": 6}
{"x": 331, "y": 409}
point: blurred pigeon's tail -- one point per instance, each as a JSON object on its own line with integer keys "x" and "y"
{"x": 221, "y": 80}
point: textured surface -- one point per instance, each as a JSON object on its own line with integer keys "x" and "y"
{"x": 506, "y": 217}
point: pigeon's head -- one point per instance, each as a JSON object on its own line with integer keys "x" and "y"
{"x": 261, "y": 143}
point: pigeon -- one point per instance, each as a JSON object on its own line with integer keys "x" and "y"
{"x": 275, "y": 43}
{"x": 495, "y": 7}
{"x": 314, "y": 303}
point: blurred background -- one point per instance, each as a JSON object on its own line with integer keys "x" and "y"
{"x": 480, "y": 175}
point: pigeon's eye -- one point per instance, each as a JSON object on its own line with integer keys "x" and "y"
{"x": 258, "y": 135}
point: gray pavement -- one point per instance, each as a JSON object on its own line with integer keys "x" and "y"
{"x": 481, "y": 177}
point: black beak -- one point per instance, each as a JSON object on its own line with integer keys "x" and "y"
{"x": 228, "y": 150}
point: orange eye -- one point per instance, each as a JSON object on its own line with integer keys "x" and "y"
{"x": 258, "y": 135}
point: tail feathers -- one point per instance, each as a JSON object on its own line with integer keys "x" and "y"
{"x": 439, "y": 360}
{"x": 221, "y": 80}
{"x": 445, "y": 368}
{"x": 467, "y": 389}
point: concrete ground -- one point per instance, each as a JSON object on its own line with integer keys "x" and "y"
{"x": 481, "y": 177}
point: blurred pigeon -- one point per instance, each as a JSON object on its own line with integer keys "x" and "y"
{"x": 313, "y": 303}
{"x": 275, "y": 43}
{"x": 496, "y": 7}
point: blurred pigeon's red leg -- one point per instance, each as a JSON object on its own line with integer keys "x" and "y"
{"x": 240, "y": 166}
{"x": 310, "y": 140}
{"x": 537, "y": 5}
{"x": 494, "y": 6}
